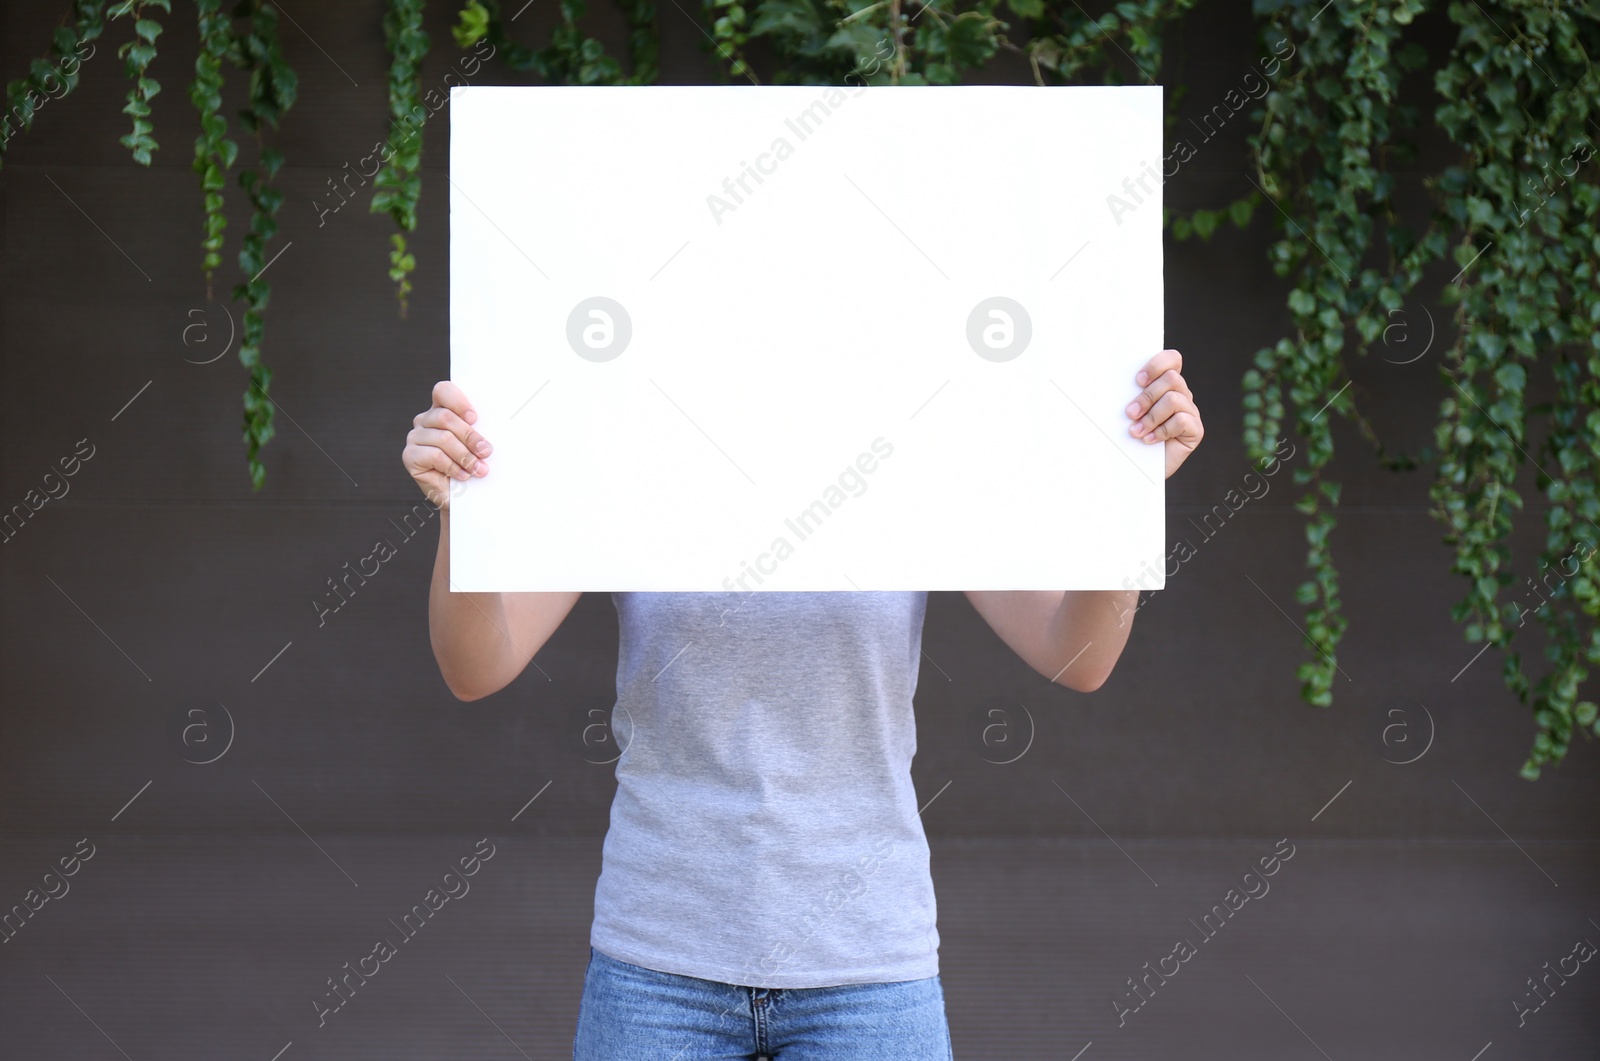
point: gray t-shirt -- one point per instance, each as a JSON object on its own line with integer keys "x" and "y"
{"x": 765, "y": 830}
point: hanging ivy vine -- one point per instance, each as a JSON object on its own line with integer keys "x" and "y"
{"x": 730, "y": 32}
{"x": 272, "y": 92}
{"x": 1523, "y": 206}
{"x": 214, "y": 153}
{"x": 572, "y": 57}
{"x": 1514, "y": 218}
{"x": 54, "y": 77}
{"x": 136, "y": 57}
{"x": 1322, "y": 161}
{"x": 398, "y": 185}
{"x": 643, "y": 45}
{"x": 1518, "y": 96}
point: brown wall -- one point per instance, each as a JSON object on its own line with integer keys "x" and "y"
{"x": 188, "y": 583}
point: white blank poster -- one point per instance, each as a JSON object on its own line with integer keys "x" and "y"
{"x": 799, "y": 338}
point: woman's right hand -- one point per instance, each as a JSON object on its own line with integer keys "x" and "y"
{"x": 443, "y": 446}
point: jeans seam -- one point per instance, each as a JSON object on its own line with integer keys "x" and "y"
{"x": 758, "y": 1013}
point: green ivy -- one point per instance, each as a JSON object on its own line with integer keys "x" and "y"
{"x": 26, "y": 95}
{"x": 1522, "y": 205}
{"x": 729, "y": 34}
{"x": 571, "y": 57}
{"x": 214, "y": 153}
{"x": 1073, "y": 44}
{"x": 137, "y": 55}
{"x": 644, "y": 45}
{"x": 1516, "y": 215}
{"x": 273, "y": 86}
{"x": 473, "y": 24}
{"x": 398, "y": 185}
{"x": 1321, "y": 161}
{"x": 876, "y": 43}
{"x": 822, "y": 42}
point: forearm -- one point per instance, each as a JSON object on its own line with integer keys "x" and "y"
{"x": 1072, "y": 637}
{"x": 1091, "y": 626}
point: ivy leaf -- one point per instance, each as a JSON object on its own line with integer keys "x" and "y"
{"x": 474, "y": 24}
{"x": 856, "y": 39}
{"x": 970, "y": 40}
{"x": 791, "y": 18}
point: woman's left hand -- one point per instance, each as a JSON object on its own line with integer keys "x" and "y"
{"x": 1164, "y": 410}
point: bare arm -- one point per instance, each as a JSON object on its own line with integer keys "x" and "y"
{"x": 481, "y": 641}
{"x": 1072, "y": 637}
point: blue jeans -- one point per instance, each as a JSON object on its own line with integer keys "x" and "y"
{"x": 633, "y": 1014}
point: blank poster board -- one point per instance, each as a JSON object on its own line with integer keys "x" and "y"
{"x": 799, "y": 338}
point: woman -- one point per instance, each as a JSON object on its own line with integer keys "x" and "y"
{"x": 764, "y": 890}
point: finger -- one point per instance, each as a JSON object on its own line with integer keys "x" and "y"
{"x": 449, "y": 396}
{"x": 1183, "y": 427}
{"x": 1156, "y": 365}
{"x": 1168, "y": 404}
{"x": 459, "y": 477}
{"x": 1169, "y": 380}
{"x": 446, "y": 420}
{"x": 449, "y": 446}
{"x": 421, "y": 460}
{"x": 1181, "y": 424}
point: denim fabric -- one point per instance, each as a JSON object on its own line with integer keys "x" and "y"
{"x": 631, "y": 1013}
